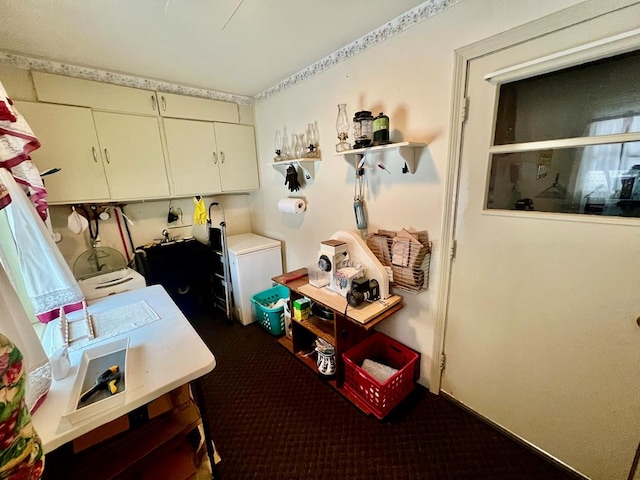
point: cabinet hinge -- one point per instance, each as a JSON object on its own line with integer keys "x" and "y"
{"x": 454, "y": 248}
{"x": 443, "y": 361}
{"x": 464, "y": 110}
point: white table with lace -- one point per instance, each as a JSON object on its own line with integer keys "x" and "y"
{"x": 165, "y": 352}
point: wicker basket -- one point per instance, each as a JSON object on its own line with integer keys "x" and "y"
{"x": 406, "y": 260}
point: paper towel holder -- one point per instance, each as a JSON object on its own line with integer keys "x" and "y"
{"x": 294, "y": 205}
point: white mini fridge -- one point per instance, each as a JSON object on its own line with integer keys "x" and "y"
{"x": 253, "y": 260}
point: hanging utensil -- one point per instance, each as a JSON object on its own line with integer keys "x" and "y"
{"x": 358, "y": 196}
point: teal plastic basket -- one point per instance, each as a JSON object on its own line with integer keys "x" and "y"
{"x": 271, "y": 319}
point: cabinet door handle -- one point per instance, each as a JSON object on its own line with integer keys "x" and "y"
{"x": 164, "y": 103}
{"x": 106, "y": 155}
{"x": 215, "y": 158}
{"x": 95, "y": 154}
{"x": 153, "y": 102}
{"x": 221, "y": 157}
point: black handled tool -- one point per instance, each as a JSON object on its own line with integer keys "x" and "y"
{"x": 105, "y": 381}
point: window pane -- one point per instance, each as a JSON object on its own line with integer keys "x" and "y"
{"x": 595, "y": 98}
{"x": 594, "y": 180}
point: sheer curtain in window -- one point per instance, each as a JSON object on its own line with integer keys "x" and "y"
{"x": 601, "y": 166}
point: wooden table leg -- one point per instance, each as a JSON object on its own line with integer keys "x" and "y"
{"x": 198, "y": 394}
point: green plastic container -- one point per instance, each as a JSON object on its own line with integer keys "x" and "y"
{"x": 271, "y": 319}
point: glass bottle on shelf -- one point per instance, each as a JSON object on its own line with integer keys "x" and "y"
{"x": 300, "y": 149}
{"x": 311, "y": 142}
{"x": 286, "y": 152}
{"x": 316, "y": 139}
{"x": 342, "y": 128}
{"x": 277, "y": 143}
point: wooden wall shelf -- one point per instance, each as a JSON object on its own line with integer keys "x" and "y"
{"x": 306, "y": 164}
{"x": 407, "y": 150}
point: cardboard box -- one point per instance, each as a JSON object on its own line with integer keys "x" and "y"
{"x": 301, "y": 308}
{"x": 177, "y": 399}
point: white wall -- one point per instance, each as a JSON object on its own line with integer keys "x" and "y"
{"x": 150, "y": 219}
{"x": 408, "y": 77}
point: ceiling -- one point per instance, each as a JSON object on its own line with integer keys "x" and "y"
{"x": 235, "y": 46}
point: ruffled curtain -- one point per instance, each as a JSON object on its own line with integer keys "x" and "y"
{"x": 49, "y": 282}
{"x": 15, "y": 325}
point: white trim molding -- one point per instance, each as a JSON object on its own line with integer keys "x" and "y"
{"x": 86, "y": 73}
{"x": 615, "y": 45}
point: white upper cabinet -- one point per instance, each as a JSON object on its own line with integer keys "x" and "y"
{"x": 194, "y": 108}
{"x": 122, "y": 129}
{"x": 193, "y": 157}
{"x": 68, "y": 141}
{"x": 86, "y": 93}
{"x": 132, "y": 150}
{"x": 210, "y": 157}
{"x": 237, "y": 157}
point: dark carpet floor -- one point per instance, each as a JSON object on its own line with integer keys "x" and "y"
{"x": 271, "y": 417}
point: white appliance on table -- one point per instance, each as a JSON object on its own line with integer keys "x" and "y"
{"x": 253, "y": 260}
{"x": 111, "y": 283}
{"x": 103, "y": 271}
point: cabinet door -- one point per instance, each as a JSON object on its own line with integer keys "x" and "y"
{"x": 69, "y": 142}
{"x": 238, "y": 159}
{"x": 132, "y": 150}
{"x": 193, "y": 158}
{"x": 87, "y": 93}
{"x": 194, "y": 108}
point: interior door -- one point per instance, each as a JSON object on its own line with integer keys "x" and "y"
{"x": 193, "y": 157}
{"x": 132, "y": 149}
{"x": 238, "y": 158}
{"x": 542, "y": 335}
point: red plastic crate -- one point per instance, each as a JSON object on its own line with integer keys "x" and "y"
{"x": 381, "y": 397}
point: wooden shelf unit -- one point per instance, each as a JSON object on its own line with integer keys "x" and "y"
{"x": 351, "y": 326}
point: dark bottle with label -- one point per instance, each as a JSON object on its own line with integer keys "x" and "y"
{"x": 381, "y": 129}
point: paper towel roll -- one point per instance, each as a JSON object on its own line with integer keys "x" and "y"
{"x": 292, "y": 205}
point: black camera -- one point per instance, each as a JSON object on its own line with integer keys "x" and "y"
{"x": 361, "y": 290}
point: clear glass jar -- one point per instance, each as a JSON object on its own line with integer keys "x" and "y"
{"x": 300, "y": 149}
{"x": 286, "y": 151}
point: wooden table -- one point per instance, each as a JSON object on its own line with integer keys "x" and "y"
{"x": 351, "y": 325}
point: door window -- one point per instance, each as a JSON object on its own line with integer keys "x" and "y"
{"x": 569, "y": 141}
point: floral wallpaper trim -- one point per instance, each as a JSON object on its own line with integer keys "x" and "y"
{"x": 407, "y": 20}
{"x": 49, "y": 66}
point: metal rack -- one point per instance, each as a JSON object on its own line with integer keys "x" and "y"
{"x": 221, "y": 275}
{"x": 407, "y": 262}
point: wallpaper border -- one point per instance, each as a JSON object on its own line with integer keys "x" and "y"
{"x": 407, "y": 20}
{"x": 50, "y": 66}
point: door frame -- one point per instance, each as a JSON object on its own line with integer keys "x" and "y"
{"x": 462, "y": 57}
